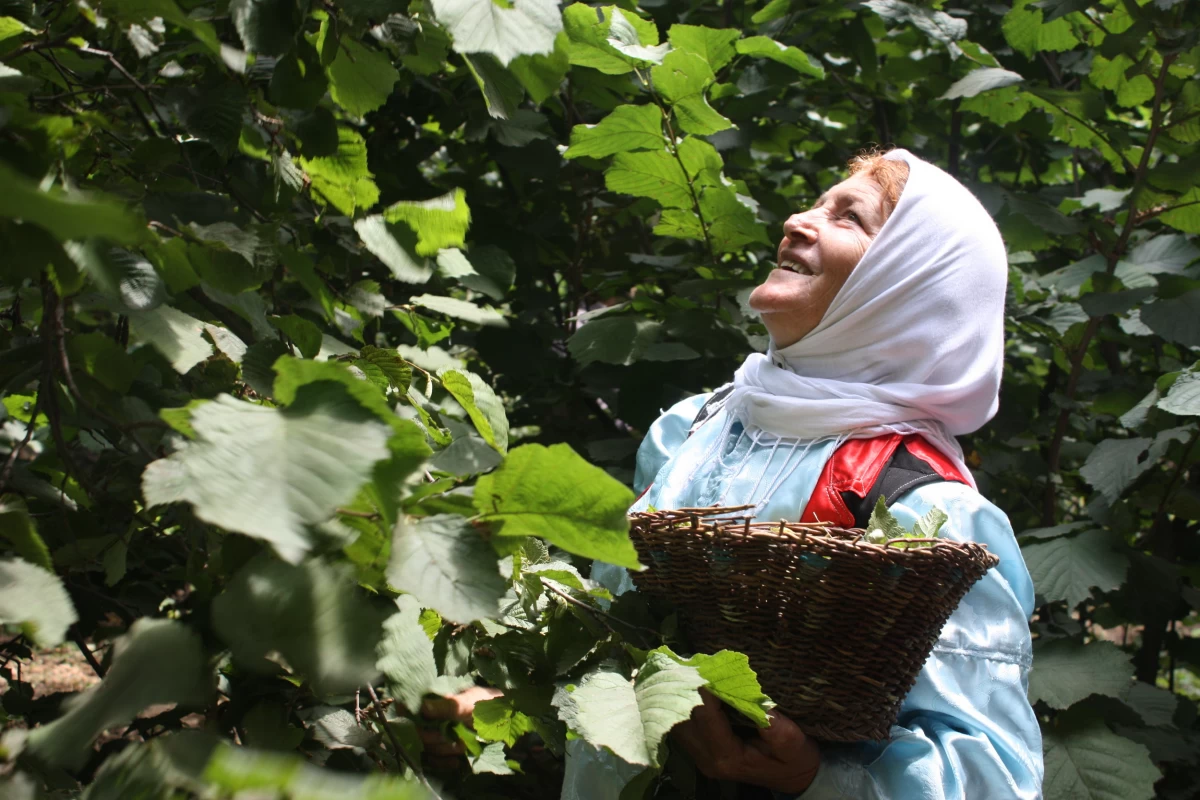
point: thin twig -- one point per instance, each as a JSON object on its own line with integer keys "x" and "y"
{"x": 401, "y": 754}
{"x": 11, "y": 461}
{"x": 88, "y": 655}
{"x": 599, "y": 612}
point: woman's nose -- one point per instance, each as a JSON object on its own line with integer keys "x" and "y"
{"x": 800, "y": 226}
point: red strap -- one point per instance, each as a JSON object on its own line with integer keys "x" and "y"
{"x": 856, "y": 466}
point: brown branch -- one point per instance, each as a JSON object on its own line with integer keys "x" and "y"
{"x": 402, "y": 756}
{"x": 1054, "y": 454}
{"x": 88, "y": 655}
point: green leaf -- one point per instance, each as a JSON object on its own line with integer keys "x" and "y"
{"x": 587, "y": 28}
{"x": 33, "y": 599}
{"x": 445, "y": 563}
{"x": 729, "y": 678}
{"x": 552, "y": 493}
{"x": 1068, "y": 567}
{"x": 631, "y": 718}
{"x": 1176, "y": 318}
{"x": 393, "y": 245}
{"x": 406, "y": 655}
{"x": 1185, "y": 213}
{"x": 343, "y": 179}
{"x": 766, "y": 47}
{"x": 627, "y": 128}
{"x": 179, "y": 337}
{"x": 103, "y": 359}
{"x": 1028, "y": 34}
{"x": 306, "y": 335}
{"x": 310, "y": 613}
{"x": 270, "y": 473}
{"x": 681, "y": 79}
{"x": 1114, "y": 464}
{"x": 732, "y": 225}
{"x": 714, "y": 45}
{"x": 461, "y": 309}
{"x": 613, "y": 340}
{"x": 1068, "y": 671}
{"x": 634, "y": 37}
{"x": 499, "y": 721}
{"x": 519, "y": 27}
{"x": 126, "y": 277}
{"x": 981, "y": 80}
{"x": 298, "y": 80}
{"x": 267, "y": 27}
{"x": 396, "y": 369}
{"x": 928, "y": 526}
{"x": 882, "y": 520}
{"x": 158, "y": 661}
{"x": 654, "y": 174}
{"x": 1183, "y": 398}
{"x": 360, "y": 80}
{"x": 541, "y": 75}
{"x": 481, "y": 404}
{"x": 937, "y": 25}
{"x": 439, "y": 223}
{"x": 1169, "y": 253}
{"x": 18, "y": 528}
{"x": 1084, "y": 759}
{"x": 338, "y": 729}
{"x": 491, "y": 760}
{"x": 68, "y": 215}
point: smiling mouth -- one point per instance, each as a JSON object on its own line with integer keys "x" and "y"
{"x": 796, "y": 267}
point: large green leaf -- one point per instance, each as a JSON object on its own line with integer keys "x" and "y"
{"x": 158, "y": 661}
{"x": 631, "y": 718}
{"x": 270, "y": 473}
{"x": 178, "y": 336}
{"x": 311, "y": 613}
{"x": 360, "y": 79}
{"x": 1068, "y": 671}
{"x": 714, "y": 45}
{"x": 33, "y": 599}
{"x": 406, "y": 655}
{"x": 681, "y": 79}
{"x": 498, "y": 720}
{"x": 613, "y": 340}
{"x": 654, "y": 173}
{"x": 1067, "y": 567}
{"x": 438, "y": 223}
{"x": 481, "y": 404}
{"x": 394, "y": 245}
{"x": 766, "y": 47}
{"x": 552, "y": 493}
{"x": 1176, "y": 319}
{"x": 265, "y": 26}
{"x": 18, "y": 528}
{"x": 1116, "y": 463}
{"x": 68, "y": 215}
{"x": 445, "y": 563}
{"x": 1084, "y": 760}
{"x": 461, "y": 309}
{"x": 343, "y": 178}
{"x": 516, "y": 28}
{"x": 625, "y": 129}
{"x": 981, "y": 80}
{"x": 1183, "y": 398}
{"x": 729, "y": 678}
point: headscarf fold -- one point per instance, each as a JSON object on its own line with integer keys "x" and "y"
{"x": 912, "y": 343}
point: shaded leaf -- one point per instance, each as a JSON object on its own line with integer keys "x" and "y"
{"x": 1068, "y": 671}
{"x": 1068, "y": 567}
{"x": 446, "y": 564}
{"x": 33, "y": 599}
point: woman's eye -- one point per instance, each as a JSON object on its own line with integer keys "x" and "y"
{"x": 853, "y": 217}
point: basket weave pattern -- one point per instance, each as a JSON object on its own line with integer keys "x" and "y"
{"x": 836, "y": 628}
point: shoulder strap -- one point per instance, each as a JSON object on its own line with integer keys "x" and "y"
{"x": 863, "y": 470}
{"x": 710, "y": 408}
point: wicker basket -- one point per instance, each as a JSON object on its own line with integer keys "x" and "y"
{"x": 836, "y": 628}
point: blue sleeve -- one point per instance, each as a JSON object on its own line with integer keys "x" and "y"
{"x": 966, "y": 730}
{"x": 665, "y": 436}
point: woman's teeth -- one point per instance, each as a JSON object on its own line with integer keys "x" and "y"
{"x": 792, "y": 266}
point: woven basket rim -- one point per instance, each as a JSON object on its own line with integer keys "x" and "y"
{"x": 702, "y": 520}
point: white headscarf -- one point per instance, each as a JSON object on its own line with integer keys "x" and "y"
{"x": 912, "y": 343}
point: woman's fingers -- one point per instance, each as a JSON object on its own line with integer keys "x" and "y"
{"x": 783, "y": 737}
{"x": 709, "y": 739}
{"x": 459, "y": 707}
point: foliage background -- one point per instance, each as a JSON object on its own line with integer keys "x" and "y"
{"x": 282, "y": 278}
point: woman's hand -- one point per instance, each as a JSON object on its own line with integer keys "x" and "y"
{"x": 459, "y": 707}
{"x": 780, "y": 758}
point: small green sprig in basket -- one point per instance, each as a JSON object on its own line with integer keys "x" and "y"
{"x": 883, "y": 528}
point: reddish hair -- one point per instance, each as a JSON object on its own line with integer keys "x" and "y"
{"x": 890, "y": 175}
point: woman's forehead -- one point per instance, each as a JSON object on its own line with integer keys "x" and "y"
{"x": 856, "y": 187}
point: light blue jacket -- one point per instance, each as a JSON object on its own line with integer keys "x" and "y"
{"x": 966, "y": 730}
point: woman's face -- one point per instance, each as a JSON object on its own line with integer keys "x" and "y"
{"x": 820, "y": 248}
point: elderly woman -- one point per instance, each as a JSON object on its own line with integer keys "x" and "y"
{"x": 887, "y": 339}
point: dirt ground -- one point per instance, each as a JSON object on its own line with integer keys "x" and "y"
{"x": 62, "y": 669}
